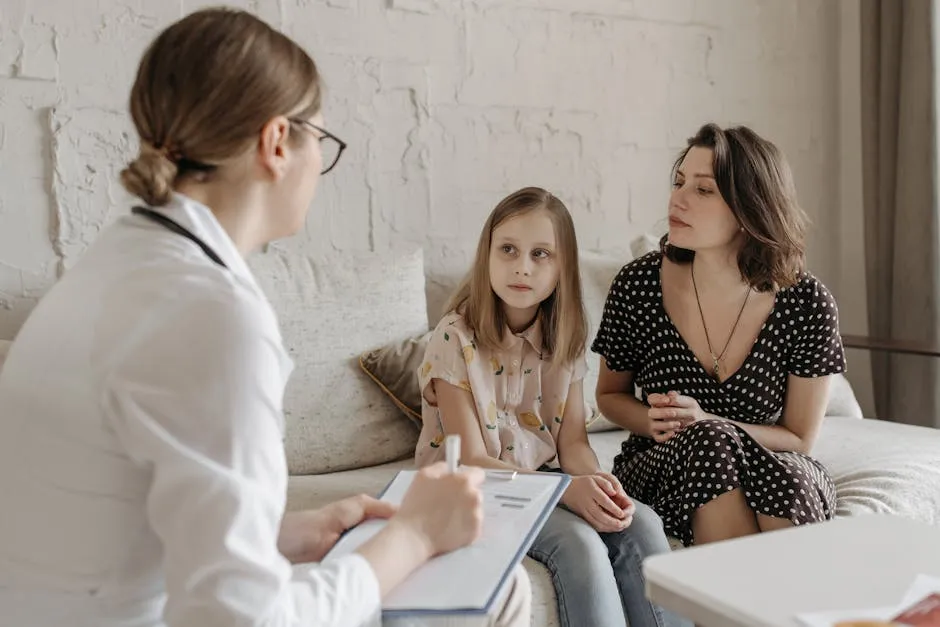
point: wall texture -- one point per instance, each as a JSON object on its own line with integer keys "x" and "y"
{"x": 447, "y": 106}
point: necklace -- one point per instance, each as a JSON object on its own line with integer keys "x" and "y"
{"x": 716, "y": 359}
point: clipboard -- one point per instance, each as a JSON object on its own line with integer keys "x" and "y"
{"x": 468, "y": 581}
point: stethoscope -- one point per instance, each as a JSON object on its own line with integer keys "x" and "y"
{"x": 179, "y": 229}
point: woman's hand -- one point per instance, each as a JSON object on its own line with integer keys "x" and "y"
{"x": 307, "y": 536}
{"x": 672, "y": 412}
{"x": 600, "y": 500}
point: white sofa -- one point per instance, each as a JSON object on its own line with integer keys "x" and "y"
{"x": 346, "y": 436}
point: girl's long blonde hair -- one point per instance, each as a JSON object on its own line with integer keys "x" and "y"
{"x": 562, "y": 318}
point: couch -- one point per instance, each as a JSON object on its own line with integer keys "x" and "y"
{"x": 349, "y": 430}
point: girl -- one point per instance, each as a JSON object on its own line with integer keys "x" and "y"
{"x": 504, "y": 370}
{"x": 141, "y": 458}
{"x": 732, "y": 343}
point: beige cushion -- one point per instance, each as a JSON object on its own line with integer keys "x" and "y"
{"x": 331, "y": 309}
{"x": 597, "y": 273}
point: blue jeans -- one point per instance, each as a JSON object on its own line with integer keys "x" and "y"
{"x": 598, "y": 577}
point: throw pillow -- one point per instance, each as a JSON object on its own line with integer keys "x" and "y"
{"x": 842, "y": 401}
{"x": 394, "y": 369}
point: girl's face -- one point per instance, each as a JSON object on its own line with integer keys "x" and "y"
{"x": 699, "y": 218}
{"x": 524, "y": 262}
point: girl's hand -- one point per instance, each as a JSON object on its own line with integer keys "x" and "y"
{"x": 592, "y": 497}
{"x": 617, "y": 494}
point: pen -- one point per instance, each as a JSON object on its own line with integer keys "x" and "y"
{"x": 501, "y": 475}
{"x": 452, "y": 452}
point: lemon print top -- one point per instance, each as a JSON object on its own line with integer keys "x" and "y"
{"x": 519, "y": 396}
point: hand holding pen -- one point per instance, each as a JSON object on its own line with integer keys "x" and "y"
{"x": 444, "y": 507}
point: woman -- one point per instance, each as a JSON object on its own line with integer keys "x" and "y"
{"x": 141, "y": 457}
{"x": 731, "y": 342}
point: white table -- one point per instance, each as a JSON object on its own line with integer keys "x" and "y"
{"x": 769, "y": 578}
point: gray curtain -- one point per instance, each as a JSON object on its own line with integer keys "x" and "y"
{"x": 900, "y": 176}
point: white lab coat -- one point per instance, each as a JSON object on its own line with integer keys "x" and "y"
{"x": 142, "y": 470}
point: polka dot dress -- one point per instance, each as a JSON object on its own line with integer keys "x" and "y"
{"x": 800, "y": 337}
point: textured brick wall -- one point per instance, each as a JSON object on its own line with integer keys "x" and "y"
{"x": 447, "y": 105}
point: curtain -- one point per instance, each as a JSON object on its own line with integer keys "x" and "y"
{"x": 900, "y": 175}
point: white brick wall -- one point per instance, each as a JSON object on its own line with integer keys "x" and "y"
{"x": 447, "y": 105}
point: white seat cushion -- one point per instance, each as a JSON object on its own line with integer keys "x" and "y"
{"x": 882, "y": 467}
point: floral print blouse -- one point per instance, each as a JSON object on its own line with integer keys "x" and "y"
{"x": 519, "y": 395}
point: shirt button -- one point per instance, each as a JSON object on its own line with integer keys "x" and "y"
{"x": 515, "y": 362}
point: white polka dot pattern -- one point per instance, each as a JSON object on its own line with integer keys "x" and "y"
{"x": 800, "y": 337}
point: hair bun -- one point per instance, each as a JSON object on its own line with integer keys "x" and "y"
{"x": 150, "y": 176}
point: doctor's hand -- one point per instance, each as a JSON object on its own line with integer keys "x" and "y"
{"x": 443, "y": 510}
{"x": 306, "y": 536}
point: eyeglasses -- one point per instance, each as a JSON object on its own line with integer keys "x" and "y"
{"x": 331, "y": 146}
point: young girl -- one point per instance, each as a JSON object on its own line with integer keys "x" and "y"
{"x": 504, "y": 370}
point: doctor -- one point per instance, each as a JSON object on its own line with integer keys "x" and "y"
{"x": 142, "y": 472}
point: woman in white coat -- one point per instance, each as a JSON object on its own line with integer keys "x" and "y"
{"x": 142, "y": 471}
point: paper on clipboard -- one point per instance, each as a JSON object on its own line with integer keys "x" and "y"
{"x": 514, "y": 513}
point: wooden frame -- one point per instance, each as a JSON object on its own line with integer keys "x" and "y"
{"x": 907, "y": 347}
